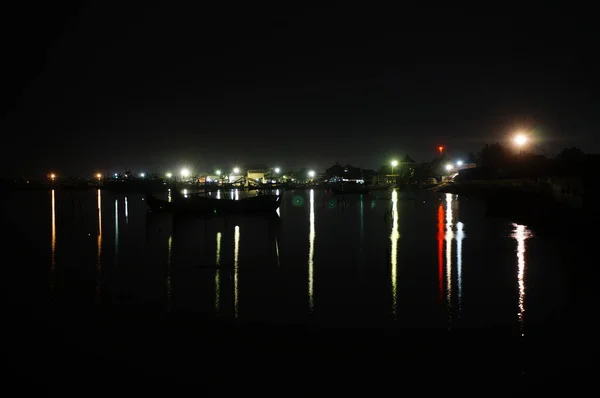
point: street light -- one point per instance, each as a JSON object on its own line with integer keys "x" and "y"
{"x": 52, "y": 176}
{"x": 459, "y": 163}
{"x": 218, "y": 172}
{"x": 394, "y": 164}
{"x": 185, "y": 173}
{"x": 142, "y": 175}
{"x": 236, "y": 170}
{"x": 520, "y": 140}
{"x": 449, "y": 167}
{"x": 311, "y": 174}
{"x": 169, "y": 175}
{"x": 277, "y": 170}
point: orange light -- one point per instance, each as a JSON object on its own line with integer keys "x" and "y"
{"x": 440, "y": 239}
{"x": 98, "y": 176}
{"x": 52, "y": 176}
{"x": 441, "y": 149}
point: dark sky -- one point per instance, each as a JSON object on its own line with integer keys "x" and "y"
{"x": 100, "y": 86}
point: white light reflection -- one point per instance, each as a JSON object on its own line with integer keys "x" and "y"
{"x": 237, "y": 194}
{"x": 394, "y": 236}
{"x": 277, "y": 250}
{"x": 236, "y": 253}
{"x": 169, "y": 254}
{"x": 218, "y": 194}
{"x": 126, "y": 211}
{"x": 449, "y": 236}
{"x": 521, "y": 234}
{"x": 169, "y": 195}
{"x": 218, "y": 275}
{"x": 311, "y": 250}
{"x": 53, "y": 241}
{"x": 116, "y": 228}
{"x": 460, "y": 235}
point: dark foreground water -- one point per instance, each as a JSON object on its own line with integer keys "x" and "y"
{"x": 385, "y": 280}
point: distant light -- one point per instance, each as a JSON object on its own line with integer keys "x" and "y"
{"x": 236, "y": 170}
{"x": 449, "y": 167}
{"x": 116, "y": 175}
{"x": 277, "y": 170}
{"x": 459, "y": 163}
{"x": 52, "y": 176}
{"x": 520, "y": 140}
{"x": 98, "y": 176}
{"x": 218, "y": 172}
{"x": 208, "y": 179}
{"x": 284, "y": 177}
{"x": 142, "y": 175}
{"x": 169, "y": 175}
{"x": 441, "y": 148}
{"x": 311, "y": 174}
{"x": 185, "y": 173}
{"x": 394, "y": 163}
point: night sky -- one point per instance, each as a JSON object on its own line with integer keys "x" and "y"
{"x": 100, "y": 86}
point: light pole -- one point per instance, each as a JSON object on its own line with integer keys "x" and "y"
{"x": 394, "y": 164}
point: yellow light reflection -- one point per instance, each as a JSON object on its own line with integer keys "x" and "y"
{"x": 236, "y": 252}
{"x": 169, "y": 195}
{"x": 169, "y": 258}
{"x": 218, "y": 275}
{"x": 521, "y": 234}
{"x": 99, "y": 241}
{"x": 449, "y": 236}
{"x": 53, "y": 242}
{"x": 394, "y": 236}
{"x": 126, "y": 211}
{"x": 311, "y": 250}
{"x": 460, "y": 235}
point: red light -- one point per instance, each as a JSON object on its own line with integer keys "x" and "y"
{"x": 441, "y": 149}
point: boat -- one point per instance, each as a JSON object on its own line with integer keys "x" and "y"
{"x": 204, "y": 205}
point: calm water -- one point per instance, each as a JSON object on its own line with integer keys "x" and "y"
{"x": 387, "y": 259}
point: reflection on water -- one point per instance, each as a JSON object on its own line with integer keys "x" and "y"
{"x": 394, "y": 235}
{"x": 116, "y": 229}
{"x": 169, "y": 270}
{"x": 99, "y": 242}
{"x": 440, "y": 250}
{"x": 359, "y": 231}
{"x": 218, "y": 194}
{"x": 311, "y": 250}
{"x": 236, "y": 253}
{"x": 126, "y": 211}
{"x": 521, "y": 234}
{"x": 218, "y": 274}
{"x": 169, "y": 195}
{"x": 460, "y": 235}
{"x": 449, "y": 237}
{"x": 53, "y": 242}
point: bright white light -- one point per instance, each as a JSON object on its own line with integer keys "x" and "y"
{"x": 459, "y": 163}
{"x": 142, "y": 175}
{"x": 311, "y": 174}
{"x": 116, "y": 175}
{"x": 520, "y": 140}
{"x": 208, "y": 179}
{"x": 185, "y": 173}
{"x": 394, "y": 163}
{"x": 169, "y": 175}
{"x": 218, "y": 172}
{"x": 236, "y": 170}
{"x": 277, "y": 170}
{"x": 449, "y": 167}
